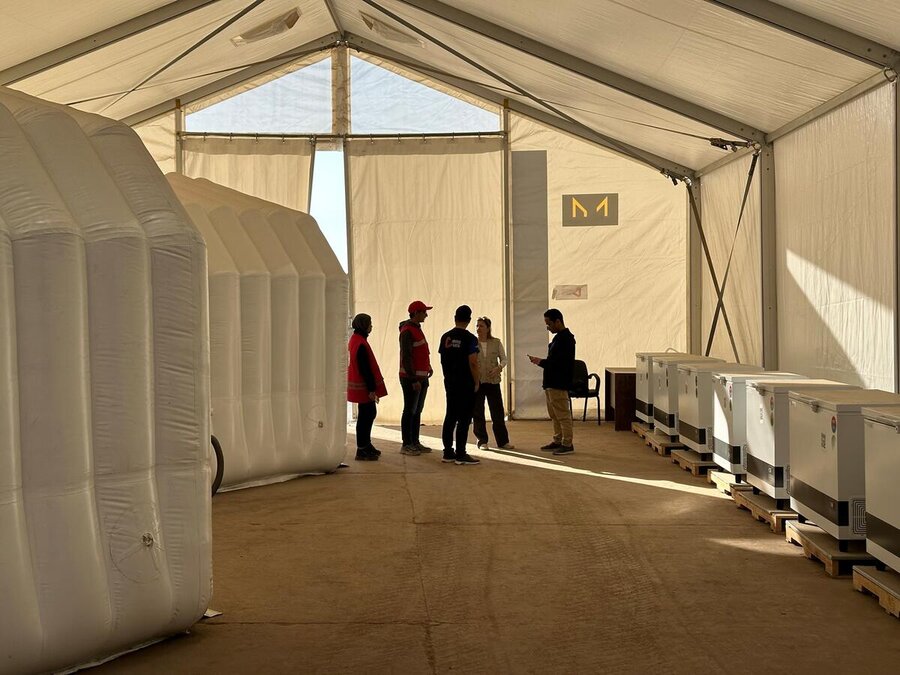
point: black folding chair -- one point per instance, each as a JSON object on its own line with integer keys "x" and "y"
{"x": 581, "y": 388}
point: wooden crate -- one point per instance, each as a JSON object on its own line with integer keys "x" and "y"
{"x": 641, "y": 429}
{"x": 883, "y": 584}
{"x": 819, "y": 545}
{"x": 661, "y": 443}
{"x": 726, "y": 482}
{"x": 694, "y": 462}
{"x": 764, "y": 509}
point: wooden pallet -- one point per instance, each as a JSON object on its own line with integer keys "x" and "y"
{"x": 694, "y": 462}
{"x": 819, "y": 545}
{"x": 641, "y": 429}
{"x": 883, "y": 584}
{"x": 661, "y": 443}
{"x": 764, "y": 509}
{"x": 726, "y": 482}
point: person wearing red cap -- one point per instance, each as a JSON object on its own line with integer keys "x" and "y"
{"x": 415, "y": 369}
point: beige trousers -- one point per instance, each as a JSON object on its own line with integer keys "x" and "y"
{"x": 558, "y": 408}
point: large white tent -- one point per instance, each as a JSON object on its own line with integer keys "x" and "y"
{"x": 686, "y": 89}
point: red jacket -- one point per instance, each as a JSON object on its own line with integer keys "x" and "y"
{"x": 421, "y": 360}
{"x": 357, "y": 391}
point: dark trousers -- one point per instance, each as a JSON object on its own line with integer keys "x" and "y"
{"x": 494, "y": 397}
{"x": 457, "y": 419}
{"x": 365, "y": 418}
{"x": 413, "y": 403}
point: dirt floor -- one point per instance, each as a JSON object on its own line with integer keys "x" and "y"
{"x": 611, "y": 560}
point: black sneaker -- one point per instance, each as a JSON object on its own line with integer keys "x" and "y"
{"x": 448, "y": 457}
{"x": 466, "y": 459}
{"x": 365, "y": 455}
{"x": 421, "y": 448}
{"x": 552, "y": 445}
{"x": 375, "y": 451}
{"x": 564, "y": 450}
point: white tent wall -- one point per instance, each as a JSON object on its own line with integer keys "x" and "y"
{"x": 158, "y": 137}
{"x": 104, "y": 495}
{"x": 835, "y": 241}
{"x": 273, "y": 169}
{"x": 634, "y": 272}
{"x": 288, "y": 339}
{"x": 426, "y": 223}
{"x": 722, "y": 193}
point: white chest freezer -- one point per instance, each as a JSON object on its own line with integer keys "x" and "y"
{"x": 664, "y": 381}
{"x": 882, "y": 438}
{"x": 643, "y": 392}
{"x": 695, "y": 401}
{"x": 767, "y": 453}
{"x": 730, "y": 414}
{"x": 828, "y": 468}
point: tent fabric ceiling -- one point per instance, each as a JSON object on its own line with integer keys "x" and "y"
{"x": 695, "y": 50}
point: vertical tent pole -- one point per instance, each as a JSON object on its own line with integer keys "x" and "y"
{"x": 896, "y": 235}
{"x": 506, "y": 177}
{"x": 694, "y": 273}
{"x": 179, "y": 141}
{"x": 768, "y": 259}
{"x": 313, "y": 142}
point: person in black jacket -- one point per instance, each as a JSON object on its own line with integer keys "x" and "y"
{"x": 558, "y": 368}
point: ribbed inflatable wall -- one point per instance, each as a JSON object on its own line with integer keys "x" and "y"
{"x": 104, "y": 394}
{"x": 278, "y": 332}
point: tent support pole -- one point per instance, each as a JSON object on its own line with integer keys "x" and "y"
{"x": 896, "y": 236}
{"x": 506, "y": 177}
{"x": 768, "y": 258}
{"x": 179, "y": 137}
{"x": 694, "y": 274}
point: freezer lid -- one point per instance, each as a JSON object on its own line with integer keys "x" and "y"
{"x": 887, "y": 415}
{"x": 755, "y": 376}
{"x": 775, "y": 386}
{"x": 703, "y": 367}
{"x": 846, "y": 400}
{"x": 685, "y": 358}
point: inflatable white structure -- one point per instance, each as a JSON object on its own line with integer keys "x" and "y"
{"x": 278, "y": 336}
{"x": 104, "y": 394}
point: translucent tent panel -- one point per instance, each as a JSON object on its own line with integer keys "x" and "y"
{"x": 606, "y": 110}
{"x": 426, "y": 223}
{"x": 835, "y": 244}
{"x": 383, "y": 102}
{"x": 158, "y": 137}
{"x": 759, "y": 74}
{"x": 877, "y": 20}
{"x": 104, "y": 75}
{"x": 722, "y": 192}
{"x": 634, "y": 272}
{"x": 297, "y": 102}
{"x": 269, "y": 168}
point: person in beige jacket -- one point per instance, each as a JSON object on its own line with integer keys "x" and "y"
{"x": 491, "y": 362}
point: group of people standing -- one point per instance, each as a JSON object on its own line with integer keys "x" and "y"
{"x": 472, "y": 366}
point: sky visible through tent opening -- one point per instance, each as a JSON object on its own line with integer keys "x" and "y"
{"x": 381, "y": 102}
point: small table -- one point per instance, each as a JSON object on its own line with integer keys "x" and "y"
{"x": 619, "y": 403}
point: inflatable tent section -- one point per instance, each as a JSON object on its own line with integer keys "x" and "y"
{"x": 104, "y": 394}
{"x": 278, "y": 331}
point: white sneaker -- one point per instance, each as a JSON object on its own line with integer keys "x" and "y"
{"x": 508, "y": 446}
{"x": 482, "y": 446}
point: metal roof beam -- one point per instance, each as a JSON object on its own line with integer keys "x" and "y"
{"x": 586, "y": 69}
{"x": 545, "y": 117}
{"x": 104, "y": 38}
{"x": 233, "y": 80}
{"x": 814, "y": 30}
